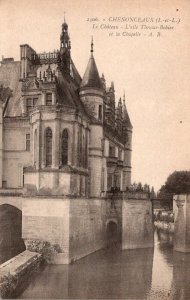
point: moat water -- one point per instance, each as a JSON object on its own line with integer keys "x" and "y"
{"x": 114, "y": 274}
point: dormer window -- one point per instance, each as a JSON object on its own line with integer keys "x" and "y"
{"x": 49, "y": 99}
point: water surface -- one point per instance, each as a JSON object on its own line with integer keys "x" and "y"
{"x": 158, "y": 273}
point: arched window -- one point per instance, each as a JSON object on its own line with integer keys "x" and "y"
{"x": 48, "y": 145}
{"x": 64, "y": 147}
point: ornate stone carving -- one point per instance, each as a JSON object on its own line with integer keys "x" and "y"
{"x": 30, "y": 83}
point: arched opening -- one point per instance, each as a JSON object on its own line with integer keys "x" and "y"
{"x": 112, "y": 233}
{"x": 11, "y": 242}
{"x": 48, "y": 146}
{"x": 64, "y": 147}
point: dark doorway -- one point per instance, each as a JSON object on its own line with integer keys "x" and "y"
{"x": 11, "y": 242}
{"x": 112, "y": 233}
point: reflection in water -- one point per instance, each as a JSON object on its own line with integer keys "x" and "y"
{"x": 116, "y": 274}
{"x": 181, "y": 276}
{"x": 108, "y": 273}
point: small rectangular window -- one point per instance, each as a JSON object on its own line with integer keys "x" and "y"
{"x": 28, "y": 142}
{"x": 49, "y": 99}
{"x": 100, "y": 113}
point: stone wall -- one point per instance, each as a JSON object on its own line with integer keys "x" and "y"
{"x": 137, "y": 221}
{"x": 47, "y": 219}
{"x": 75, "y": 227}
{"x": 87, "y": 227}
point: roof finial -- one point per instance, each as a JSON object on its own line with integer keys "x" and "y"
{"x": 64, "y": 17}
{"x": 124, "y": 97}
{"x": 92, "y": 45}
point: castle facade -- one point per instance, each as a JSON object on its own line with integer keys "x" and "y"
{"x": 65, "y": 145}
{"x": 60, "y": 134}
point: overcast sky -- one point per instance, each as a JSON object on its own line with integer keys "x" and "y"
{"x": 154, "y": 72}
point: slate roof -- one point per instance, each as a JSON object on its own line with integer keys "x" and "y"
{"x": 67, "y": 88}
{"x": 75, "y": 74}
{"x": 9, "y": 77}
{"x": 68, "y": 93}
{"x": 91, "y": 77}
{"x": 126, "y": 118}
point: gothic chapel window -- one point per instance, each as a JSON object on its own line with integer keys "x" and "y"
{"x": 48, "y": 145}
{"x": 64, "y": 144}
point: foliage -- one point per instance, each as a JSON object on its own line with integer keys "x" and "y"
{"x": 177, "y": 183}
{"x": 139, "y": 187}
{"x": 11, "y": 285}
{"x": 8, "y": 284}
{"x": 42, "y": 247}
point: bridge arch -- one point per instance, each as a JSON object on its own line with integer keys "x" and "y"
{"x": 12, "y": 200}
{"x": 11, "y": 242}
{"x": 112, "y": 232}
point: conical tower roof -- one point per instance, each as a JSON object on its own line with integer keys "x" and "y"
{"x": 126, "y": 118}
{"x": 91, "y": 78}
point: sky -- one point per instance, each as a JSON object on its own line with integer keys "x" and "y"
{"x": 153, "y": 71}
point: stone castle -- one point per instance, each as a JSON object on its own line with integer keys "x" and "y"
{"x": 64, "y": 146}
{"x": 61, "y": 135}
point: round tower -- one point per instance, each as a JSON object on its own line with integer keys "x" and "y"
{"x": 92, "y": 96}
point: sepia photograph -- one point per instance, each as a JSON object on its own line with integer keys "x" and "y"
{"x": 95, "y": 149}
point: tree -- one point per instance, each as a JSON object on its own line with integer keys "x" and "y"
{"x": 177, "y": 183}
{"x": 152, "y": 193}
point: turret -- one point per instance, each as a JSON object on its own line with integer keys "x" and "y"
{"x": 127, "y": 133}
{"x": 103, "y": 82}
{"x": 92, "y": 95}
{"x": 127, "y": 126}
{"x": 119, "y": 116}
{"x": 91, "y": 89}
{"x": 65, "y": 47}
{"x": 110, "y": 105}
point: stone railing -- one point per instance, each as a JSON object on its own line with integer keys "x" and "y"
{"x": 138, "y": 195}
{"x": 46, "y": 57}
